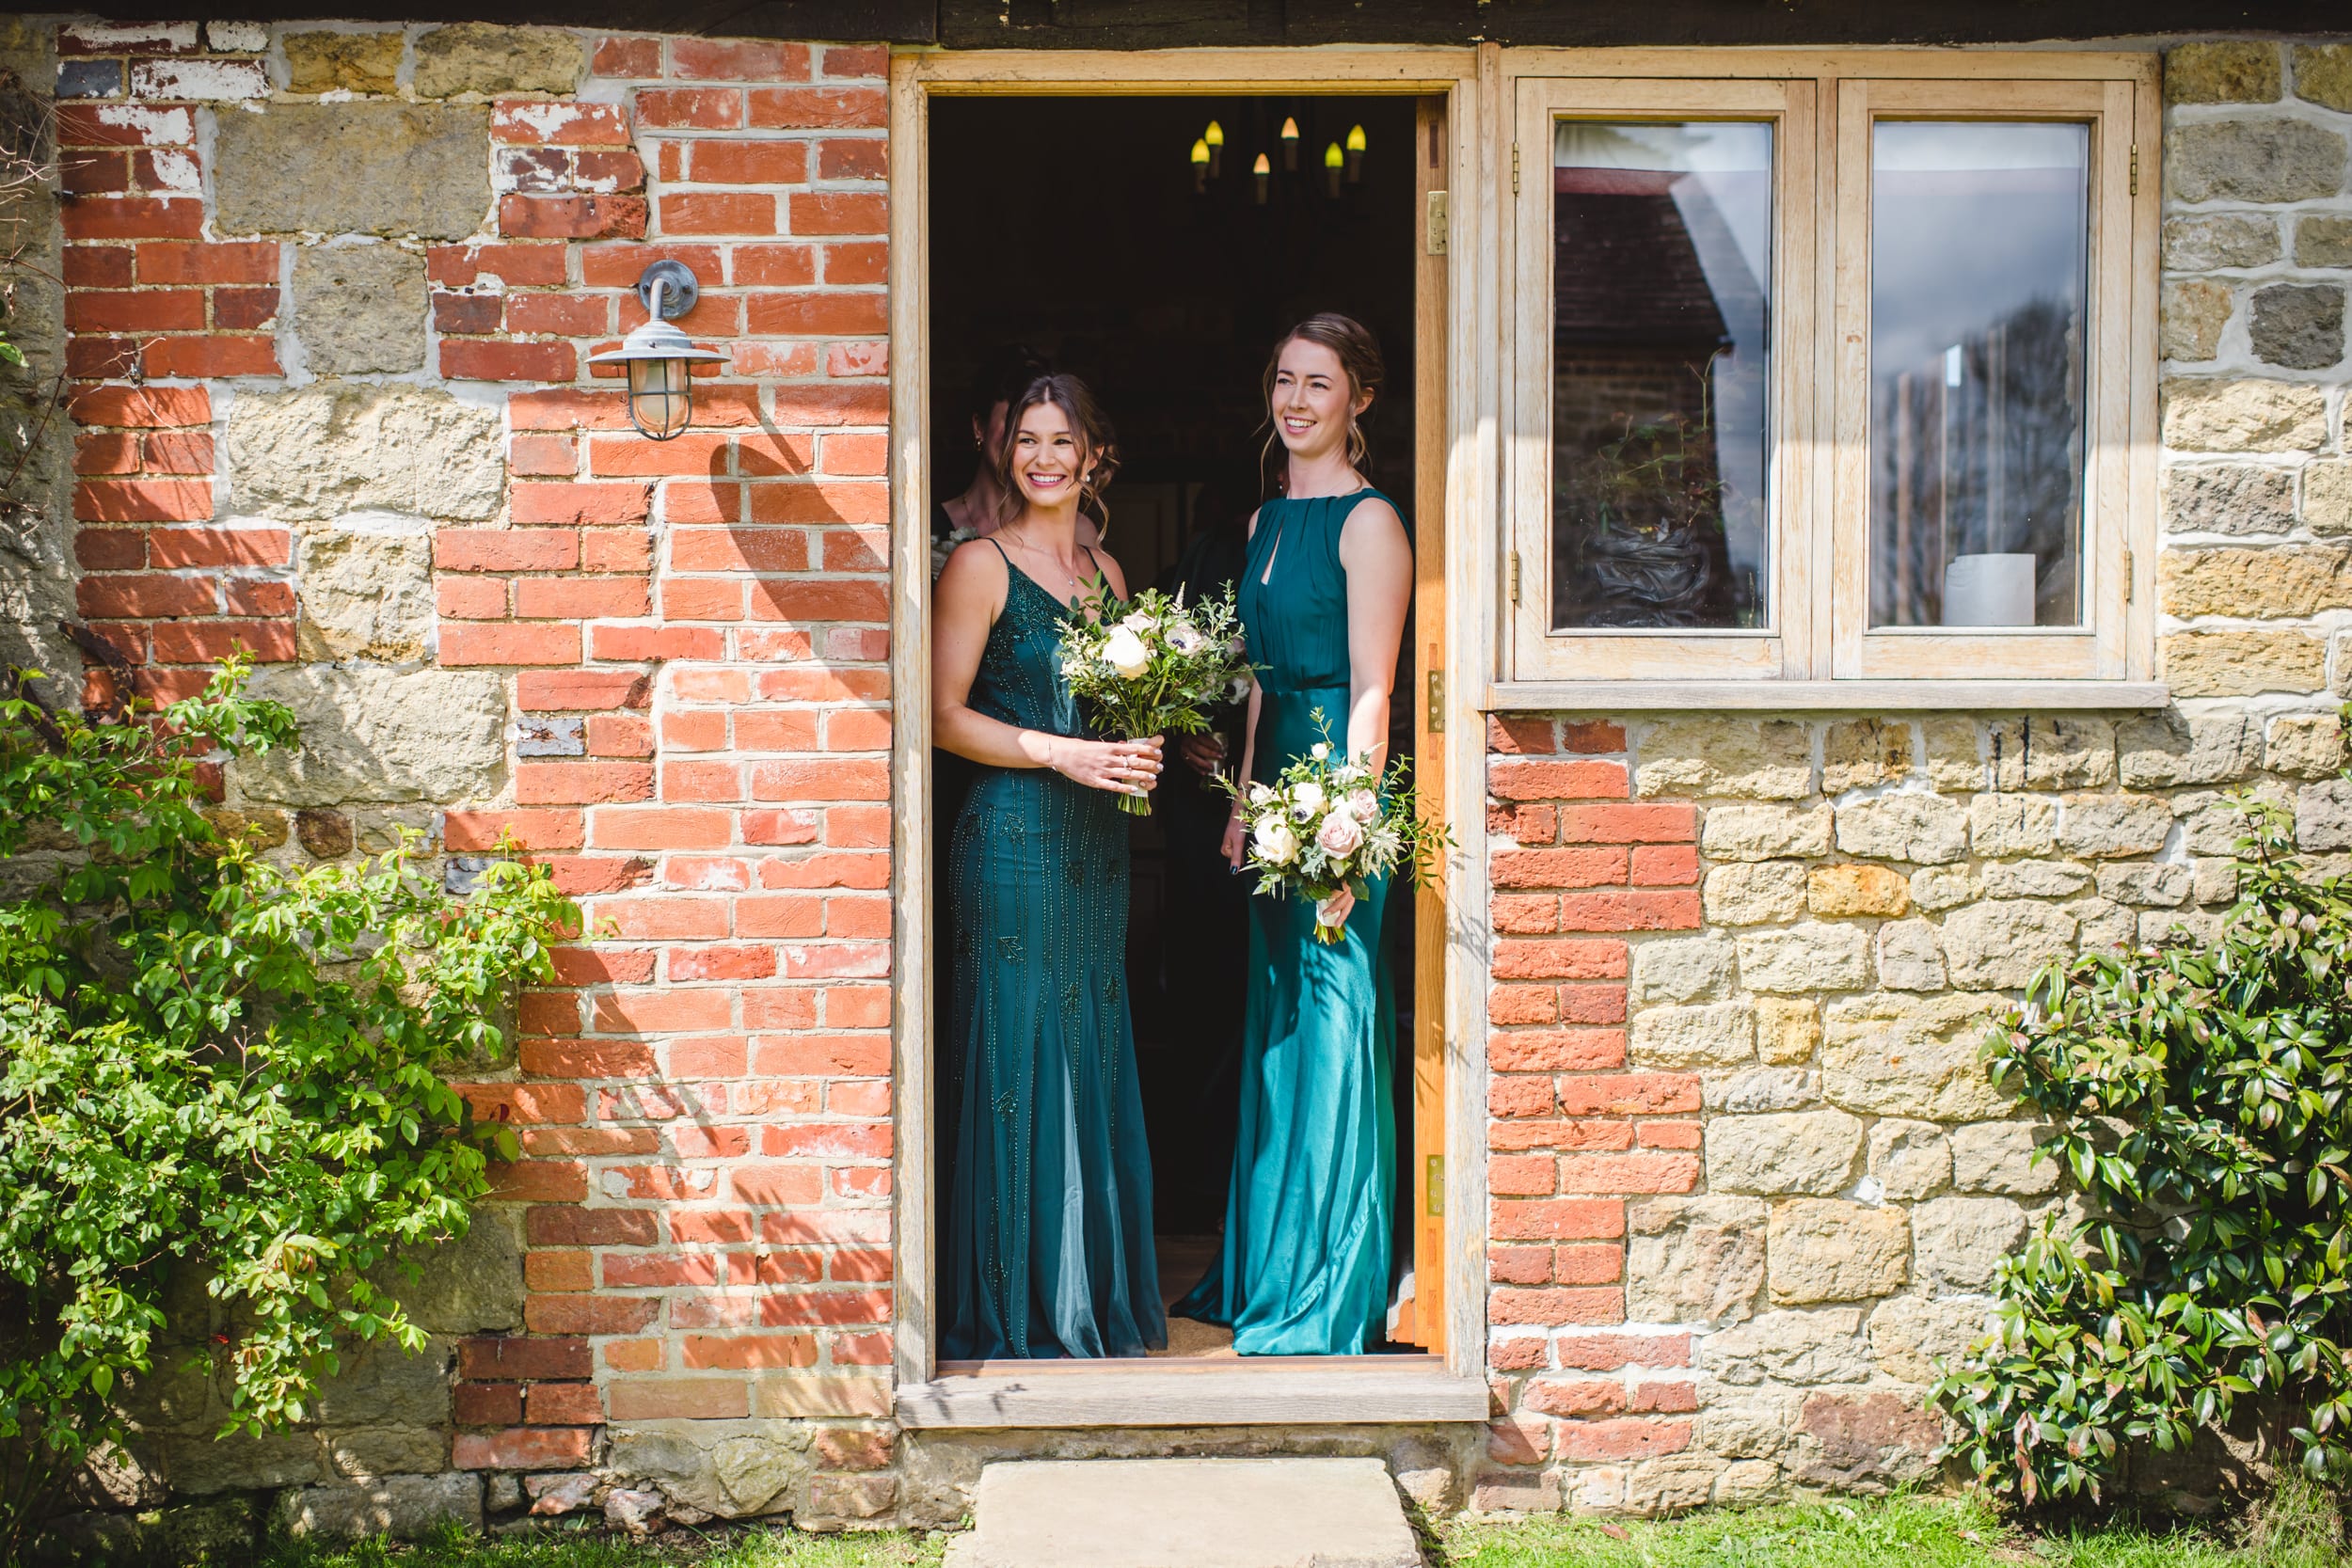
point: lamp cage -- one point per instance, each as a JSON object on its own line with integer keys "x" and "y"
{"x": 659, "y": 357}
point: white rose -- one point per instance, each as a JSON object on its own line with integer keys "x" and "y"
{"x": 1306, "y": 801}
{"x": 1341, "y": 835}
{"x": 1276, "y": 843}
{"x": 1125, "y": 653}
{"x": 1320, "y": 750}
{"x": 1138, "y": 622}
{"x": 1365, "y": 805}
{"x": 1260, "y": 794}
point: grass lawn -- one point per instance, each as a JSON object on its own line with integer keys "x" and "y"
{"x": 583, "y": 1548}
{"x": 2300, "y": 1529}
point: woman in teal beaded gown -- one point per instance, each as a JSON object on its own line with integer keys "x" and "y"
{"x": 1303, "y": 1269}
{"x": 1047, "y": 1234}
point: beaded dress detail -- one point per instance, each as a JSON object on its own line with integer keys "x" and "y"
{"x": 1048, "y": 1226}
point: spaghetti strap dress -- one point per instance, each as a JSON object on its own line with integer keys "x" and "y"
{"x": 1047, "y": 1235}
{"x": 1304, "y": 1265}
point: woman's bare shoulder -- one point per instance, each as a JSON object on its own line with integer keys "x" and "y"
{"x": 1374, "y": 520}
{"x": 974, "y": 566}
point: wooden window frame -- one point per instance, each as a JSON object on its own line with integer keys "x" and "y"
{"x": 1782, "y": 647}
{"x": 1820, "y": 652}
{"x": 2095, "y": 649}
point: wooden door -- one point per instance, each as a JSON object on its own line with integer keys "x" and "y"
{"x": 1421, "y": 1317}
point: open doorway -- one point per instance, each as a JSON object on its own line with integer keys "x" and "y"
{"x": 1079, "y": 228}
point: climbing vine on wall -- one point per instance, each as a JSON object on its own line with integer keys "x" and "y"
{"x": 216, "y": 1068}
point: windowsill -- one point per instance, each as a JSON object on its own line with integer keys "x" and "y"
{"x": 1665, "y": 696}
{"x": 1298, "y": 1391}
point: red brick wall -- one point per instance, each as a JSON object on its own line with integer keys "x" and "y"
{"x": 703, "y": 1100}
{"x": 1571, "y": 1133}
{"x": 150, "y": 297}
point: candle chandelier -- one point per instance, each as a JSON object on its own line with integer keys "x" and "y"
{"x": 1342, "y": 161}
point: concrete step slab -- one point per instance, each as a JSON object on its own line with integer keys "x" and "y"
{"x": 1187, "y": 1513}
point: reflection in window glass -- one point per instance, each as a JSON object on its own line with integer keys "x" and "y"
{"x": 1980, "y": 242}
{"x": 1661, "y": 283}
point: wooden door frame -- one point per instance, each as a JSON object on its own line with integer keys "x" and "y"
{"x": 1189, "y": 1393}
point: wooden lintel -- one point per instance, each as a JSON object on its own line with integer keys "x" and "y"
{"x": 1129, "y": 25}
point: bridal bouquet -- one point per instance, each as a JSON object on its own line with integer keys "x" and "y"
{"x": 1325, "y": 824}
{"x": 1151, "y": 664}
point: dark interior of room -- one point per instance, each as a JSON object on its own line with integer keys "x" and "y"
{"x": 1082, "y": 228}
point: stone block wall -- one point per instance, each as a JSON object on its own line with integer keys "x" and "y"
{"x": 1668, "y": 1329}
{"x": 1748, "y": 1178}
{"x": 36, "y": 437}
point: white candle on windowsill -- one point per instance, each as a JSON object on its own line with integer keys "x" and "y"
{"x": 1989, "y": 591}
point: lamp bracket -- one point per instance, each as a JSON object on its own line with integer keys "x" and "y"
{"x": 679, "y": 287}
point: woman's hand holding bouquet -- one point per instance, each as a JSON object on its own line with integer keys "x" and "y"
{"x": 1152, "y": 664}
{"x": 1328, "y": 826}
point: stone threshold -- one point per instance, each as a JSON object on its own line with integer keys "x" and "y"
{"x": 1186, "y": 1513}
{"x": 1168, "y": 1392}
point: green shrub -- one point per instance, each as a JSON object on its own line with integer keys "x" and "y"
{"x": 213, "y": 1066}
{"x": 2198, "y": 1099}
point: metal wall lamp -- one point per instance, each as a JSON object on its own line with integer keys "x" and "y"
{"x": 660, "y": 358}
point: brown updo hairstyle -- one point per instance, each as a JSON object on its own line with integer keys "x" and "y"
{"x": 1095, "y": 437}
{"x": 1359, "y": 354}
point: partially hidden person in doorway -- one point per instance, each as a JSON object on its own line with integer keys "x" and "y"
{"x": 1005, "y": 372}
{"x": 1303, "y": 1269}
{"x": 1048, "y": 1244}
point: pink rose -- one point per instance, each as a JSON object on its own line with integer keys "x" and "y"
{"x": 1365, "y": 805}
{"x": 1339, "y": 835}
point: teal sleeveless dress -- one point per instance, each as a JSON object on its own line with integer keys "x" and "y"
{"x": 1304, "y": 1267}
{"x": 1047, "y": 1233}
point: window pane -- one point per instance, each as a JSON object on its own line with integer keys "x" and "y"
{"x": 1980, "y": 243}
{"x": 1660, "y": 326}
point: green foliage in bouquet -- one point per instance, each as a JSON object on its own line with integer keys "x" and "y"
{"x": 1328, "y": 823}
{"x": 215, "y": 1068}
{"x": 1152, "y": 664}
{"x": 2202, "y": 1099}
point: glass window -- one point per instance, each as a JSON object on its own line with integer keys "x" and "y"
{"x": 1979, "y": 241}
{"x": 1663, "y": 236}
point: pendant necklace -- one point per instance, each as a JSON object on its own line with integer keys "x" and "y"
{"x": 1031, "y": 548}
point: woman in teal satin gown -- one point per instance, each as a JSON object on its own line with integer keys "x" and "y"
{"x": 1047, "y": 1235}
{"x": 1305, "y": 1261}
